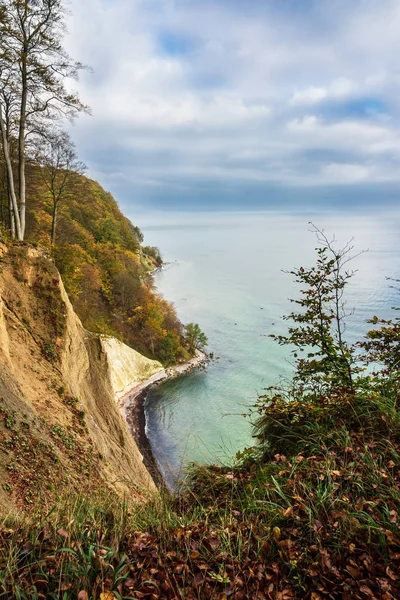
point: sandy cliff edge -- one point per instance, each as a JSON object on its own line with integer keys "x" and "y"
{"x": 60, "y": 427}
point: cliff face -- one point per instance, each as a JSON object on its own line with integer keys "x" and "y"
{"x": 128, "y": 368}
{"x": 60, "y": 428}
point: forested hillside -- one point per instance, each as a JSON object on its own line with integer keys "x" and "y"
{"x": 103, "y": 264}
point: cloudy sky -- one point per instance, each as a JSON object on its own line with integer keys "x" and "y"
{"x": 240, "y": 103}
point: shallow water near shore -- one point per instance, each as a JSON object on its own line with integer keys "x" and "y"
{"x": 225, "y": 272}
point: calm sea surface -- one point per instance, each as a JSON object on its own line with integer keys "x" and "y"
{"x": 225, "y": 272}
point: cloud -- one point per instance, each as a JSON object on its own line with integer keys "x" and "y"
{"x": 361, "y": 137}
{"x": 190, "y": 95}
{"x": 309, "y": 96}
{"x": 337, "y": 90}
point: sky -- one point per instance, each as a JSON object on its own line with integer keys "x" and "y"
{"x": 240, "y": 104}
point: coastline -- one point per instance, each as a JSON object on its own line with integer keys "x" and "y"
{"x": 131, "y": 406}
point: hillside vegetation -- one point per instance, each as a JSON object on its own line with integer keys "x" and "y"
{"x": 105, "y": 267}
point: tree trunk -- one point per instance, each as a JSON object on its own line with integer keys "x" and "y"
{"x": 4, "y": 195}
{"x": 53, "y": 224}
{"x": 10, "y": 175}
{"x": 11, "y": 215}
{"x": 21, "y": 144}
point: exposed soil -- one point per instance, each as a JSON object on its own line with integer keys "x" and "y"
{"x": 59, "y": 425}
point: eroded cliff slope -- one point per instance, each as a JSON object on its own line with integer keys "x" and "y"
{"x": 60, "y": 428}
{"x": 127, "y": 367}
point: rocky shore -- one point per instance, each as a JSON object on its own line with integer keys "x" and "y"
{"x": 131, "y": 405}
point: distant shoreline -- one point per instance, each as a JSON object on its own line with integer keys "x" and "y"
{"x": 131, "y": 406}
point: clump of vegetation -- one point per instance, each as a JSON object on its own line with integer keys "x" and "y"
{"x": 34, "y": 464}
{"x": 195, "y": 338}
{"x": 49, "y": 351}
{"x": 153, "y": 253}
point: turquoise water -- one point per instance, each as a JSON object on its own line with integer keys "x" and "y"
{"x": 225, "y": 272}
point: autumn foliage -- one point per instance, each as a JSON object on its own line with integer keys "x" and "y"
{"x": 104, "y": 266}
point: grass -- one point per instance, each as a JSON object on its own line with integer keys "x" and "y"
{"x": 72, "y": 546}
{"x": 311, "y": 513}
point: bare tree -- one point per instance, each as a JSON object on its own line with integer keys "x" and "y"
{"x": 59, "y": 167}
{"x": 31, "y": 33}
{"x": 8, "y": 110}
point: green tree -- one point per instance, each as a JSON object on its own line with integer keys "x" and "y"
{"x": 195, "y": 337}
{"x": 168, "y": 349}
{"x": 318, "y": 330}
{"x": 382, "y": 349}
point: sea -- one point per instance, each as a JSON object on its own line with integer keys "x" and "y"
{"x": 230, "y": 273}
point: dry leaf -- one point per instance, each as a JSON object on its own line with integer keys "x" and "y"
{"x": 393, "y": 516}
{"x": 276, "y": 533}
{"x": 391, "y": 574}
{"x": 366, "y": 590}
{"x": 63, "y": 533}
{"x": 107, "y": 596}
{"x": 354, "y": 572}
{"x": 288, "y": 512}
